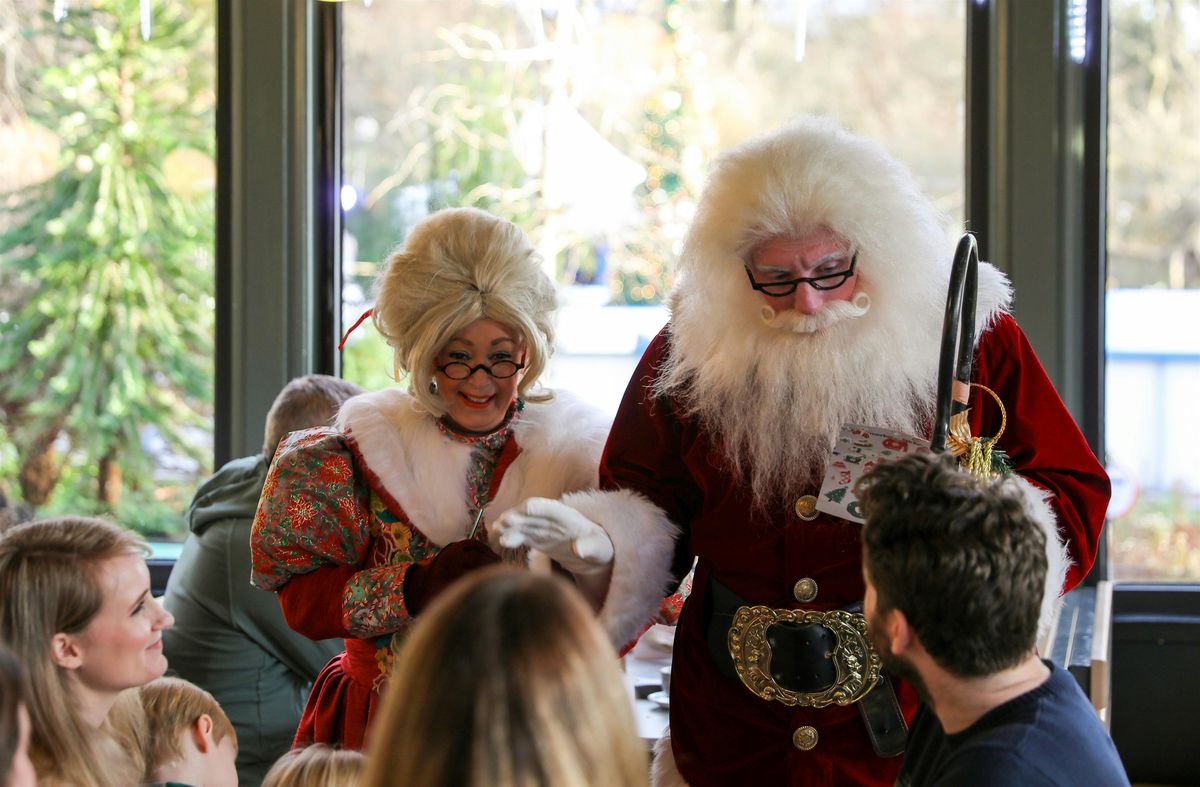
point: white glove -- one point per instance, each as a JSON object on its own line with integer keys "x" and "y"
{"x": 560, "y": 532}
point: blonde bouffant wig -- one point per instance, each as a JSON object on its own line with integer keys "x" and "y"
{"x": 457, "y": 266}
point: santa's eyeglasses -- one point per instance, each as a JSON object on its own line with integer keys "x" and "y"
{"x": 827, "y": 281}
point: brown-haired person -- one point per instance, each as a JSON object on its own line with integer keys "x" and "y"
{"x": 15, "y": 768}
{"x": 955, "y": 571}
{"x": 230, "y": 638}
{"x": 189, "y": 739}
{"x": 507, "y": 680}
{"x": 363, "y": 524}
{"x": 76, "y": 609}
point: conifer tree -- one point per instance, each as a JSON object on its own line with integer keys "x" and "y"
{"x": 106, "y": 271}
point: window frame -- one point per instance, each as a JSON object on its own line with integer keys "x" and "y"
{"x": 274, "y": 319}
{"x": 1036, "y": 182}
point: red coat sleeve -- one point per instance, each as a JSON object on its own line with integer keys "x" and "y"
{"x": 312, "y": 602}
{"x": 645, "y": 453}
{"x": 1041, "y": 439}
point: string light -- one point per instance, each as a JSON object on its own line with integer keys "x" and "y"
{"x": 1077, "y": 30}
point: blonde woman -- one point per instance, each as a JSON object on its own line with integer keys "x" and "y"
{"x": 76, "y": 609}
{"x": 362, "y": 524}
{"x": 316, "y": 766}
{"x": 508, "y": 680}
{"x": 189, "y": 739}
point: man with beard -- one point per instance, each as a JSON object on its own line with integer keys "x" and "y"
{"x": 812, "y": 292}
{"x": 955, "y": 568}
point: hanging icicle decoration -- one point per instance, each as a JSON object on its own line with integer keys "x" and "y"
{"x": 60, "y": 10}
{"x": 146, "y": 21}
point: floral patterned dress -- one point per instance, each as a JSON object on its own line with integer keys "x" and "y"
{"x": 337, "y": 546}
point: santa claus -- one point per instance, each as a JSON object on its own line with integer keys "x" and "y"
{"x": 811, "y": 295}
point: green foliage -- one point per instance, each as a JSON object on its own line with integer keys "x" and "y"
{"x": 155, "y": 511}
{"x": 1154, "y": 194}
{"x": 8, "y": 467}
{"x": 1158, "y": 539}
{"x": 107, "y": 270}
{"x": 367, "y": 361}
{"x": 670, "y": 122}
{"x": 455, "y": 128}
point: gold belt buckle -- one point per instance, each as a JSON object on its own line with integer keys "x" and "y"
{"x": 856, "y": 661}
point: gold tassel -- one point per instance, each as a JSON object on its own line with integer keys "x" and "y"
{"x": 974, "y": 454}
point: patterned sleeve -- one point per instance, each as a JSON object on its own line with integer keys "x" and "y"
{"x": 313, "y": 511}
{"x": 310, "y": 539}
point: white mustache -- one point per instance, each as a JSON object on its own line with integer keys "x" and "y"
{"x": 833, "y": 313}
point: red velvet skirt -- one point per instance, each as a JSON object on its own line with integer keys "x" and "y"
{"x": 342, "y": 702}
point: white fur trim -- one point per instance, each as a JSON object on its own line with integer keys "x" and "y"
{"x": 561, "y": 442}
{"x": 994, "y": 296}
{"x": 415, "y": 463}
{"x": 425, "y": 471}
{"x": 644, "y": 548}
{"x": 1058, "y": 559}
{"x": 663, "y": 771}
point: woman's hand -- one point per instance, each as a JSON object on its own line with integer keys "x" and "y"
{"x": 560, "y": 532}
{"x": 425, "y": 579}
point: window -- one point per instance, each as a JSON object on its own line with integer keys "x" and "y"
{"x": 591, "y": 124}
{"x": 1153, "y": 290}
{"x": 106, "y": 270}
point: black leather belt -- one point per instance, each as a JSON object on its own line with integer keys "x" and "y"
{"x": 802, "y": 663}
{"x": 802, "y": 653}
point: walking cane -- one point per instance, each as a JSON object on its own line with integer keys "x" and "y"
{"x": 977, "y": 455}
{"x": 959, "y": 323}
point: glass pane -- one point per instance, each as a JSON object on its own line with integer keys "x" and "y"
{"x": 106, "y": 257}
{"x": 1153, "y": 300}
{"x": 591, "y": 124}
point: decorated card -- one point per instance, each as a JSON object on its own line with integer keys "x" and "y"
{"x": 858, "y": 449}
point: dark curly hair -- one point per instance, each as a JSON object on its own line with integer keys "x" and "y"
{"x": 960, "y": 557}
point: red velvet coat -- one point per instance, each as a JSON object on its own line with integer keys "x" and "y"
{"x": 721, "y": 733}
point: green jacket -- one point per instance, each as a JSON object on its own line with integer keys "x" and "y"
{"x": 229, "y": 637}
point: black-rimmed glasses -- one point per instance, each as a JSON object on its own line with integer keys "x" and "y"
{"x": 828, "y": 281}
{"x": 501, "y": 370}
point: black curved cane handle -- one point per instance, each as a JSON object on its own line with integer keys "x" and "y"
{"x": 959, "y": 324}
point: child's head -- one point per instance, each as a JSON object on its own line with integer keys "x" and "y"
{"x": 316, "y": 765}
{"x": 189, "y": 737}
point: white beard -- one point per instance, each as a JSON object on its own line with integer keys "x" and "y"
{"x": 777, "y": 396}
